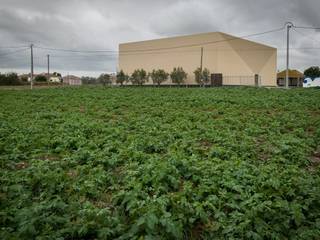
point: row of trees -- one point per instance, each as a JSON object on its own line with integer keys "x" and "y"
{"x": 44, "y": 77}
{"x": 12, "y": 78}
{"x": 158, "y": 76}
{"x": 178, "y": 76}
{"x": 7, "y": 79}
{"x": 104, "y": 79}
{"x": 138, "y": 77}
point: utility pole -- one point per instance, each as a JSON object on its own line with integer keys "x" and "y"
{"x": 31, "y": 77}
{"x": 289, "y": 25}
{"x": 48, "y": 63}
{"x": 201, "y": 58}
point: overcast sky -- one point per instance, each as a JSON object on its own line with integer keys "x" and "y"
{"x": 94, "y": 24}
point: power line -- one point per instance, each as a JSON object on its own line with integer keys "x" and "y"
{"x": 312, "y": 28}
{"x": 316, "y": 40}
{"x": 72, "y": 50}
{"x": 11, "y": 47}
{"x": 84, "y": 56}
{"x": 114, "y": 55}
{"x": 159, "y": 49}
{"x": 180, "y": 51}
{"x": 156, "y": 52}
{"x": 154, "y": 49}
{"x": 13, "y": 52}
{"x": 210, "y": 42}
{"x": 114, "y": 52}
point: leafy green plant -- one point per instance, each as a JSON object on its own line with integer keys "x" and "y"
{"x": 159, "y": 163}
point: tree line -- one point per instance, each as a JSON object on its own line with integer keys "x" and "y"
{"x": 12, "y": 78}
{"x": 138, "y": 77}
{"x": 104, "y": 79}
{"x": 159, "y": 76}
{"x": 7, "y": 79}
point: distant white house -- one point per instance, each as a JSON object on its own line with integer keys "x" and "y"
{"x": 308, "y": 82}
{"x": 72, "y": 80}
{"x": 54, "y": 79}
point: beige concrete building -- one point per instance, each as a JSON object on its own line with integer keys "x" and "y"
{"x": 238, "y": 60}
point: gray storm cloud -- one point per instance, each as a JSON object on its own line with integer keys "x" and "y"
{"x": 86, "y": 25}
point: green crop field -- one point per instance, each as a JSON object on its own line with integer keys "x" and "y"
{"x": 156, "y": 163}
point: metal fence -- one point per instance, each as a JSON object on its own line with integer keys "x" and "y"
{"x": 223, "y": 80}
{"x": 241, "y": 80}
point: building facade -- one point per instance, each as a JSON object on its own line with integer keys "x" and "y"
{"x": 238, "y": 60}
{"x": 295, "y": 78}
{"x": 72, "y": 80}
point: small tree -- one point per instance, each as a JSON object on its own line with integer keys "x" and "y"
{"x": 24, "y": 78}
{"x": 159, "y": 76}
{"x": 202, "y": 77}
{"x": 9, "y": 79}
{"x": 206, "y": 76}
{"x": 198, "y": 77}
{"x": 122, "y": 77}
{"x": 13, "y": 78}
{"x": 105, "y": 79}
{"x": 56, "y": 74}
{"x": 178, "y": 75}
{"x": 40, "y": 78}
{"x": 88, "y": 80}
{"x": 139, "y": 77}
{"x": 312, "y": 72}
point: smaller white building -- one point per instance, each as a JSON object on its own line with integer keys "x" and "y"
{"x": 55, "y": 79}
{"x": 72, "y": 80}
{"x": 308, "y": 82}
